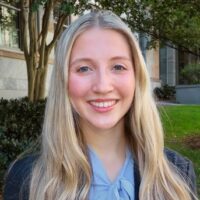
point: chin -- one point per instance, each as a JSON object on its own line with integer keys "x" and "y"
{"x": 106, "y": 126}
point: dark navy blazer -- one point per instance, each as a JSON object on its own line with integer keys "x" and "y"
{"x": 16, "y": 185}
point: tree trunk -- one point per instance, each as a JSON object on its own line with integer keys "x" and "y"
{"x": 31, "y": 79}
{"x": 40, "y": 83}
{"x": 37, "y": 84}
{"x": 36, "y": 50}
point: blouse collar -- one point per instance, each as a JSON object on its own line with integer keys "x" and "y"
{"x": 121, "y": 188}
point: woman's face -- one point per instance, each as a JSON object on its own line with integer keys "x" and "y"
{"x": 101, "y": 78}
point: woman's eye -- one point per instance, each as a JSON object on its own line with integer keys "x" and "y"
{"x": 119, "y": 67}
{"x": 83, "y": 69}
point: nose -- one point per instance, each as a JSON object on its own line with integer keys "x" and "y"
{"x": 103, "y": 82}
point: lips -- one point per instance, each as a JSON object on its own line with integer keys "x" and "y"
{"x": 103, "y": 105}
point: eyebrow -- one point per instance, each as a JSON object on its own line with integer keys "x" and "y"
{"x": 77, "y": 60}
{"x": 121, "y": 58}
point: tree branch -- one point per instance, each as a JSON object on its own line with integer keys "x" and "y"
{"x": 157, "y": 36}
{"x": 33, "y": 34}
{"x": 45, "y": 28}
{"x": 58, "y": 31}
{"x": 24, "y": 12}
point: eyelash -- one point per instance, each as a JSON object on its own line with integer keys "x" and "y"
{"x": 116, "y": 67}
{"x": 83, "y": 69}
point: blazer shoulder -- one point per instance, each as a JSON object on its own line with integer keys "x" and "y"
{"x": 176, "y": 158}
{"x": 184, "y": 166}
{"x": 17, "y": 178}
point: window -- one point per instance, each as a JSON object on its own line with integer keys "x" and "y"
{"x": 143, "y": 40}
{"x": 9, "y": 24}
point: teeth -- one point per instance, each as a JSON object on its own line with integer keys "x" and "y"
{"x": 104, "y": 104}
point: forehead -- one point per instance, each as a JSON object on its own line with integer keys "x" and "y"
{"x": 101, "y": 33}
{"x": 101, "y": 40}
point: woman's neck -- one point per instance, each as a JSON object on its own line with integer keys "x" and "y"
{"x": 109, "y": 145}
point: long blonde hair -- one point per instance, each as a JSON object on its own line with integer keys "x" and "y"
{"x": 62, "y": 171}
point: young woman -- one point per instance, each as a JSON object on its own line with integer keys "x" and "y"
{"x": 102, "y": 137}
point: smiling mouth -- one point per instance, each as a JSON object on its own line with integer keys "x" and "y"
{"x": 103, "y": 104}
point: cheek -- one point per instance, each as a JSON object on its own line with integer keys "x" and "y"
{"x": 77, "y": 88}
{"x": 127, "y": 85}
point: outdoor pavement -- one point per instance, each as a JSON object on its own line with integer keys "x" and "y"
{"x": 167, "y": 103}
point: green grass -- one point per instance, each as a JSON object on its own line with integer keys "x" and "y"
{"x": 180, "y": 122}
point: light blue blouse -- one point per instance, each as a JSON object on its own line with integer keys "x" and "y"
{"x": 103, "y": 189}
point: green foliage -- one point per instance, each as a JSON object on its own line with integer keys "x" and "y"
{"x": 7, "y": 21}
{"x": 171, "y": 22}
{"x": 67, "y": 7}
{"x": 37, "y": 3}
{"x": 20, "y": 126}
{"x": 165, "y": 92}
{"x": 191, "y": 74}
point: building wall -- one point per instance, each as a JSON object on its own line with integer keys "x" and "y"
{"x": 152, "y": 60}
{"x": 13, "y": 75}
{"x": 151, "y": 57}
